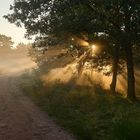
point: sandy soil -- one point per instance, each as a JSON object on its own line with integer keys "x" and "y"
{"x": 20, "y": 119}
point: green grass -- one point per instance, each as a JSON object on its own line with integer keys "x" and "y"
{"x": 90, "y": 114}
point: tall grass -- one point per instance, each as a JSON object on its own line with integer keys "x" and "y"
{"x": 89, "y": 113}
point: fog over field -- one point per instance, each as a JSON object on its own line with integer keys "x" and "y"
{"x": 14, "y": 61}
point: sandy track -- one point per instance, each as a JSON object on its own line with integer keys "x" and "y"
{"x": 20, "y": 119}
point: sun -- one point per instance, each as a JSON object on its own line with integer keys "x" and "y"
{"x": 93, "y": 47}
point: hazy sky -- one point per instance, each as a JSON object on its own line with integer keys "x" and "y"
{"x": 8, "y": 29}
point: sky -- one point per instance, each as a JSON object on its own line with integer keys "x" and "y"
{"x": 7, "y": 28}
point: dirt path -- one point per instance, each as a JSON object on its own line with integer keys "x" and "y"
{"x": 20, "y": 119}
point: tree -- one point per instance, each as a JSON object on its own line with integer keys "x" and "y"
{"x": 118, "y": 19}
{"x": 5, "y": 42}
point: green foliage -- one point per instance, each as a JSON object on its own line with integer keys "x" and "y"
{"x": 90, "y": 114}
{"x": 65, "y": 18}
{"x": 126, "y": 129}
{"x": 75, "y": 17}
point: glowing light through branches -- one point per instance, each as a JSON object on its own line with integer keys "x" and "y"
{"x": 93, "y": 48}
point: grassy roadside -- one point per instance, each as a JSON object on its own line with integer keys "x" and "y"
{"x": 88, "y": 113}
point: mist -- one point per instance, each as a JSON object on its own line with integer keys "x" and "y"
{"x": 88, "y": 77}
{"x": 14, "y": 61}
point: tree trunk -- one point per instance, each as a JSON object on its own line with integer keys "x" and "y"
{"x": 130, "y": 73}
{"x": 114, "y": 71}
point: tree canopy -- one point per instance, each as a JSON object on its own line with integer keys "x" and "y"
{"x": 59, "y": 21}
